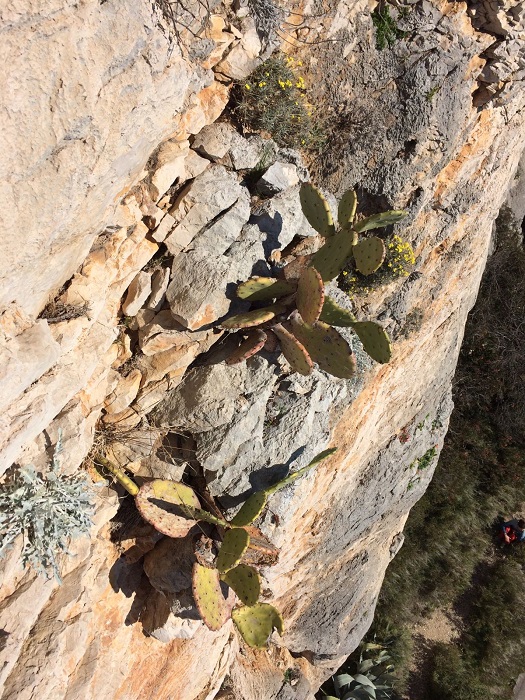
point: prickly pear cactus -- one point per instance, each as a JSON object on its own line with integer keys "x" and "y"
{"x": 264, "y": 289}
{"x": 335, "y": 315}
{"x": 325, "y": 346}
{"x": 316, "y": 210}
{"x": 250, "y": 346}
{"x": 167, "y": 506}
{"x": 385, "y": 218}
{"x": 310, "y": 295}
{"x": 375, "y": 340}
{"x": 208, "y": 597}
{"x": 234, "y": 544}
{"x": 347, "y": 209}
{"x": 250, "y": 510}
{"x": 253, "y": 318}
{"x": 245, "y": 581}
{"x": 257, "y": 622}
{"x": 301, "y": 472}
{"x": 330, "y": 260}
{"x": 294, "y": 351}
{"x": 369, "y": 254}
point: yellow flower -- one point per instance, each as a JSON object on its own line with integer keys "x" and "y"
{"x": 247, "y": 86}
{"x": 262, "y": 83}
{"x": 299, "y": 63}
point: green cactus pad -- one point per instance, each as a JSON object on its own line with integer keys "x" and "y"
{"x": 234, "y": 544}
{"x": 251, "y": 509}
{"x": 375, "y": 340}
{"x": 294, "y": 351}
{"x": 245, "y": 582}
{"x": 331, "y": 258}
{"x": 250, "y": 346}
{"x": 208, "y": 596}
{"x": 257, "y": 622}
{"x": 325, "y": 346}
{"x": 316, "y": 210}
{"x": 264, "y": 289}
{"x": 335, "y": 315}
{"x": 199, "y": 514}
{"x": 253, "y": 318}
{"x": 369, "y": 254}
{"x": 301, "y": 472}
{"x": 347, "y": 208}
{"x": 379, "y": 220}
{"x": 168, "y": 506}
{"x": 310, "y": 294}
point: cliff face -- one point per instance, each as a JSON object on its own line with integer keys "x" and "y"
{"x": 91, "y": 194}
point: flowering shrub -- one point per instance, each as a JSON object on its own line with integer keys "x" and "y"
{"x": 399, "y": 262}
{"x": 273, "y": 99}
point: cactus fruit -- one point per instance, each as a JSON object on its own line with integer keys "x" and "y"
{"x": 294, "y": 351}
{"x": 369, "y": 254}
{"x": 347, "y": 209}
{"x": 208, "y": 597}
{"x": 264, "y": 289}
{"x": 250, "y": 510}
{"x": 256, "y": 623}
{"x": 330, "y": 260}
{"x": 375, "y": 340}
{"x": 301, "y": 472}
{"x": 253, "y": 318}
{"x": 316, "y": 210}
{"x": 250, "y": 346}
{"x": 234, "y": 544}
{"x": 167, "y": 506}
{"x": 325, "y": 346}
{"x": 380, "y": 220}
{"x": 335, "y": 315}
{"x": 245, "y": 582}
{"x": 310, "y": 295}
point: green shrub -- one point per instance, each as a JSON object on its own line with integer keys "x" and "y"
{"x": 387, "y": 31}
{"x": 273, "y": 99}
{"x": 452, "y": 679}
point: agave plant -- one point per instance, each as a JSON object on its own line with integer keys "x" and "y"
{"x": 372, "y": 680}
{"x": 300, "y": 317}
{"x": 174, "y": 509}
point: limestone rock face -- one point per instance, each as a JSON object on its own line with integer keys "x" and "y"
{"x": 92, "y": 194}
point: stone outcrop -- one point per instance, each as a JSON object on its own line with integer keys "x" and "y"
{"x": 151, "y": 231}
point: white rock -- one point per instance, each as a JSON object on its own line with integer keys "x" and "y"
{"x": 170, "y": 165}
{"x": 214, "y": 140}
{"x": 124, "y": 393}
{"x": 138, "y": 291}
{"x": 278, "y": 177}
{"x": 159, "y": 284}
{"x": 164, "y": 228}
{"x": 195, "y": 164}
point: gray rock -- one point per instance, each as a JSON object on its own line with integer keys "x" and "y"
{"x": 211, "y": 193}
{"x": 278, "y": 177}
{"x": 247, "y": 152}
{"x": 214, "y": 140}
{"x": 222, "y": 232}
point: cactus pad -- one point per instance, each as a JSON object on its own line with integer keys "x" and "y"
{"x": 380, "y": 220}
{"x": 261, "y": 552}
{"x": 245, "y": 582}
{"x": 347, "y": 208}
{"x": 326, "y": 347}
{"x": 316, "y": 210}
{"x": 294, "y": 351}
{"x": 331, "y": 258}
{"x": 251, "y": 509}
{"x": 375, "y": 340}
{"x": 252, "y": 318}
{"x": 167, "y": 505}
{"x": 369, "y": 254}
{"x": 208, "y": 597}
{"x": 335, "y": 315}
{"x": 264, "y": 289}
{"x": 300, "y": 472}
{"x": 234, "y": 544}
{"x": 250, "y": 346}
{"x": 310, "y": 294}
{"x": 257, "y": 622}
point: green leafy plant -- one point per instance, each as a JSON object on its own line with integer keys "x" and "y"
{"x": 372, "y": 678}
{"x": 174, "y": 509}
{"x": 300, "y": 317}
{"x": 48, "y": 510}
{"x": 273, "y": 99}
{"x": 387, "y": 31}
